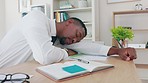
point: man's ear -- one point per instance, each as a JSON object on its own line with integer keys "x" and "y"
{"x": 69, "y": 21}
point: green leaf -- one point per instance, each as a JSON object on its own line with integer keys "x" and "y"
{"x": 120, "y": 33}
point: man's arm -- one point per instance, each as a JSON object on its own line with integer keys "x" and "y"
{"x": 87, "y": 47}
{"x": 97, "y": 49}
{"x": 34, "y": 27}
{"x": 124, "y": 53}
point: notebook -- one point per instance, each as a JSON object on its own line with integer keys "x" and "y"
{"x": 63, "y": 71}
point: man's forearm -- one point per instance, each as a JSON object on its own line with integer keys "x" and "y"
{"x": 113, "y": 51}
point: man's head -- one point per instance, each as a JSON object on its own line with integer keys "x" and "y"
{"x": 71, "y": 31}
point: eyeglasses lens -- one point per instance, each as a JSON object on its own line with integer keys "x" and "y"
{"x": 2, "y": 77}
{"x": 14, "y": 78}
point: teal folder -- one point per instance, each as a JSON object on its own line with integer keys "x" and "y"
{"x": 73, "y": 69}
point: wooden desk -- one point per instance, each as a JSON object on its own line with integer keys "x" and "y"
{"x": 124, "y": 72}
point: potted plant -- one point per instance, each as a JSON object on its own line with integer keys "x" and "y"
{"x": 120, "y": 34}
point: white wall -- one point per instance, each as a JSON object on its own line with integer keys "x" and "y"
{"x": 11, "y": 13}
{"x": 106, "y": 16}
{"x": 2, "y": 17}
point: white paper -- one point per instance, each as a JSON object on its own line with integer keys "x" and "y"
{"x": 89, "y": 57}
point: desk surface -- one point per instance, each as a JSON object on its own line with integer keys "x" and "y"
{"x": 123, "y": 72}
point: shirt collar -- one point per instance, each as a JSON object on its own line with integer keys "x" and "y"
{"x": 52, "y": 27}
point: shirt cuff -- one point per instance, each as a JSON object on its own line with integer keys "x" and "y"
{"x": 65, "y": 54}
{"x": 104, "y": 50}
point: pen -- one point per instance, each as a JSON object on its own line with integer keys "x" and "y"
{"x": 83, "y": 61}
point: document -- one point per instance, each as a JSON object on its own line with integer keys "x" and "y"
{"x": 88, "y": 57}
{"x": 61, "y": 71}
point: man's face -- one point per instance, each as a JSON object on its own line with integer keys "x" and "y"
{"x": 72, "y": 34}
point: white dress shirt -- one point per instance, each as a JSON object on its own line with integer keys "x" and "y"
{"x": 31, "y": 39}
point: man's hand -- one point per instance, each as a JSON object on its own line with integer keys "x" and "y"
{"x": 71, "y": 52}
{"x": 125, "y": 53}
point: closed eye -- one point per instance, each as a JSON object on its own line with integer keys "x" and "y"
{"x": 72, "y": 41}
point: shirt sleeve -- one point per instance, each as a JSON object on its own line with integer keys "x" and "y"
{"x": 91, "y": 48}
{"x": 34, "y": 29}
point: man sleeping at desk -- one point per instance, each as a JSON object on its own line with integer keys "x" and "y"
{"x": 44, "y": 40}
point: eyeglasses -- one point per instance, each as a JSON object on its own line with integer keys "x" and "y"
{"x": 15, "y": 77}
